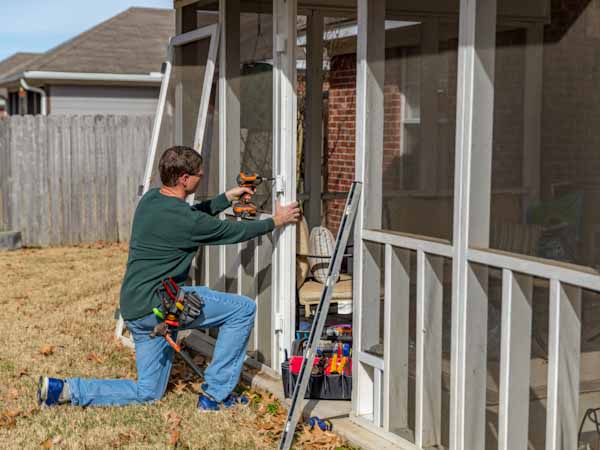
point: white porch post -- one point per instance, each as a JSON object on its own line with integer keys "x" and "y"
{"x": 229, "y": 126}
{"x": 314, "y": 115}
{"x": 284, "y": 168}
{"x": 370, "y": 71}
{"x": 472, "y": 196}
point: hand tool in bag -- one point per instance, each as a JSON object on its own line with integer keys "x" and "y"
{"x": 318, "y": 324}
{"x": 177, "y": 308}
{"x": 339, "y": 330}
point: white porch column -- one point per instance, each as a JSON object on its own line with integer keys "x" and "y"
{"x": 370, "y": 72}
{"x": 284, "y": 168}
{"x": 229, "y": 128}
{"x": 314, "y": 115}
{"x": 472, "y": 196}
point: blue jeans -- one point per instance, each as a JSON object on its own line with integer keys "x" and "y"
{"x": 232, "y": 314}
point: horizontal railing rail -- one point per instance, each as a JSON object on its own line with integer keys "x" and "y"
{"x": 583, "y": 277}
{"x": 439, "y": 247}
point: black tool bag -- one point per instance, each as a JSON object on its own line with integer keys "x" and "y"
{"x": 321, "y": 386}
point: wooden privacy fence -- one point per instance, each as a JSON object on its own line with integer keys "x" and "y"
{"x": 71, "y": 179}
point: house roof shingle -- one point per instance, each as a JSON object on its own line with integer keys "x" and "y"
{"x": 16, "y": 61}
{"x": 132, "y": 42}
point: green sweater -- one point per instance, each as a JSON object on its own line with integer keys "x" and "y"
{"x": 165, "y": 236}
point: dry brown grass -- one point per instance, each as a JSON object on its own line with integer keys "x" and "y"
{"x": 57, "y": 308}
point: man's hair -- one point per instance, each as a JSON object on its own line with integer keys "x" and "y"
{"x": 176, "y": 161}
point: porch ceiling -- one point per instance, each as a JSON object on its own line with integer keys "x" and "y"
{"x": 518, "y": 10}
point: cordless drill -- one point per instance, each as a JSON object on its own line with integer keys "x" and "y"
{"x": 245, "y": 208}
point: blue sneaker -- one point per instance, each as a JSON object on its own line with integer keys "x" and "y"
{"x": 206, "y": 403}
{"x": 52, "y": 391}
{"x": 234, "y": 400}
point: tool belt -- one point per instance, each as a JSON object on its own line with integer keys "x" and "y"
{"x": 178, "y": 308}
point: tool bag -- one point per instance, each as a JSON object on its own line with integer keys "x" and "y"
{"x": 321, "y": 385}
{"x": 178, "y": 308}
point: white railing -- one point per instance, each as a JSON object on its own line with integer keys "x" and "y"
{"x": 390, "y": 411}
{"x": 389, "y": 414}
{"x": 564, "y": 345}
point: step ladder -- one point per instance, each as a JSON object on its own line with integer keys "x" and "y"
{"x": 348, "y": 218}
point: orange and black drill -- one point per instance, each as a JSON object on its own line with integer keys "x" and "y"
{"x": 245, "y": 208}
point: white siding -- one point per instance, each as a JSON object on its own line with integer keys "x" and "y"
{"x": 116, "y": 100}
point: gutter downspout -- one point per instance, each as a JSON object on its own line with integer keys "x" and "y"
{"x": 38, "y": 91}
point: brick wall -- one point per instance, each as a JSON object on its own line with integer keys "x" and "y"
{"x": 341, "y": 142}
{"x": 340, "y": 134}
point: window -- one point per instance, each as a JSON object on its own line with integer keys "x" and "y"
{"x": 31, "y": 103}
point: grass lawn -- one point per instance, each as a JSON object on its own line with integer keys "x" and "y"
{"x": 58, "y": 306}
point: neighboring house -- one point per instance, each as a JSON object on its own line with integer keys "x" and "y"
{"x": 113, "y": 68}
{"x": 11, "y": 65}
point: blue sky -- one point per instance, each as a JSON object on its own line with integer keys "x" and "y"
{"x": 39, "y": 25}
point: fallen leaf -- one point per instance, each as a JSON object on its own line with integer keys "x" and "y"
{"x": 172, "y": 419}
{"x": 12, "y": 413}
{"x": 266, "y": 426}
{"x": 122, "y": 438}
{"x": 47, "y": 350}
{"x": 180, "y": 386}
{"x": 47, "y": 443}
{"x": 174, "y": 437}
{"x": 33, "y": 409}
{"x": 94, "y": 357}
{"x": 7, "y": 421}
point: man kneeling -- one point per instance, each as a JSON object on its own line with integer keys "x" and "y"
{"x": 165, "y": 236}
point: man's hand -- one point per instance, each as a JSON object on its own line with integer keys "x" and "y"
{"x": 285, "y": 215}
{"x": 235, "y": 193}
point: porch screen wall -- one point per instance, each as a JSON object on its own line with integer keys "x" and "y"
{"x": 419, "y": 125}
{"x": 256, "y": 100}
{"x": 546, "y": 162}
